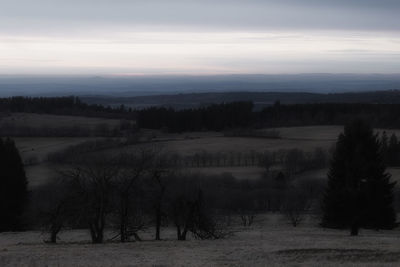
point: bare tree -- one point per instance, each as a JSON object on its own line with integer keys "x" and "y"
{"x": 247, "y": 218}
{"x": 56, "y": 207}
{"x": 92, "y": 180}
{"x": 127, "y": 186}
{"x": 183, "y": 213}
{"x": 159, "y": 171}
{"x": 190, "y": 213}
{"x": 296, "y": 204}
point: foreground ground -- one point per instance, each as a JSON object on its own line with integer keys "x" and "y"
{"x": 270, "y": 242}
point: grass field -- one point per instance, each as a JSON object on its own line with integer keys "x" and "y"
{"x": 238, "y": 172}
{"x": 40, "y": 174}
{"x": 269, "y": 242}
{"x": 40, "y": 147}
{"x": 240, "y": 144}
{"x": 306, "y": 138}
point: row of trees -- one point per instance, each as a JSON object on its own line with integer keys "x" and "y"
{"x": 104, "y": 194}
{"x": 125, "y": 192}
{"x": 215, "y": 117}
{"x": 294, "y": 161}
{"x": 241, "y": 114}
{"x": 378, "y": 115}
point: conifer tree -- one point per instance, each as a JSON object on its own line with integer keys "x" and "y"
{"x": 393, "y": 151}
{"x": 13, "y": 187}
{"x": 359, "y": 192}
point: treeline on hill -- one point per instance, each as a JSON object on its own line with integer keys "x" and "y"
{"x": 215, "y": 117}
{"x": 241, "y": 114}
{"x": 71, "y": 106}
{"x": 62, "y": 106}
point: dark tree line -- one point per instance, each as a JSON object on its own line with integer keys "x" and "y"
{"x": 63, "y": 106}
{"x": 378, "y": 115}
{"x": 215, "y": 117}
{"x": 241, "y": 115}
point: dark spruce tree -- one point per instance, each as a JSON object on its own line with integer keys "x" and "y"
{"x": 13, "y": 187}
{"x": 359, "y": 192}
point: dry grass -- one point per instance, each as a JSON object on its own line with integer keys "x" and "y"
{"x": 40, "y": 147}
{"x": 238, "y": 172}
{"x": 270, "y": 242}
{"x": 306, "y": 138}
{"x": 238, "y": 144}
{"x": 39, "y": 174}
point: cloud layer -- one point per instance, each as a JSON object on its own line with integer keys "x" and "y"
{"x": 222, "y": 14}
{"x": 202, "y": 36}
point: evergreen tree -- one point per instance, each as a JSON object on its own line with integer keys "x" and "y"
{"x": 385, "y": 147}
{"x": 393, "y": 151}
{"x": 13, "y": 187}
{"x": 359, "y": 192}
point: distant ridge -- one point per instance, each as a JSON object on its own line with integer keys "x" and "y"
{"x": 260, "y": 99}
{"x": 170, "y": 85}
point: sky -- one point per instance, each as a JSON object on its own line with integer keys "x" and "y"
{"x": 202, "y": 37}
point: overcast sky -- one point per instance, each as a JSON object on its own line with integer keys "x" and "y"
{"x": 134, "y": 37}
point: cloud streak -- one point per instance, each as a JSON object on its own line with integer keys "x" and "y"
{"x": 203, "y": 53}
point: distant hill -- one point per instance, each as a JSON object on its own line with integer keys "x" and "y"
{"x": 260, "y": 99}
{"x": 131, "y": 86}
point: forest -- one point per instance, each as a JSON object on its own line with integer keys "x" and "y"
{"x": 214, "y": 117}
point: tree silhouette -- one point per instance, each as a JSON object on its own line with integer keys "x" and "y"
{"x": 359, "y": 192}
{"x": 13, "y": 187}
